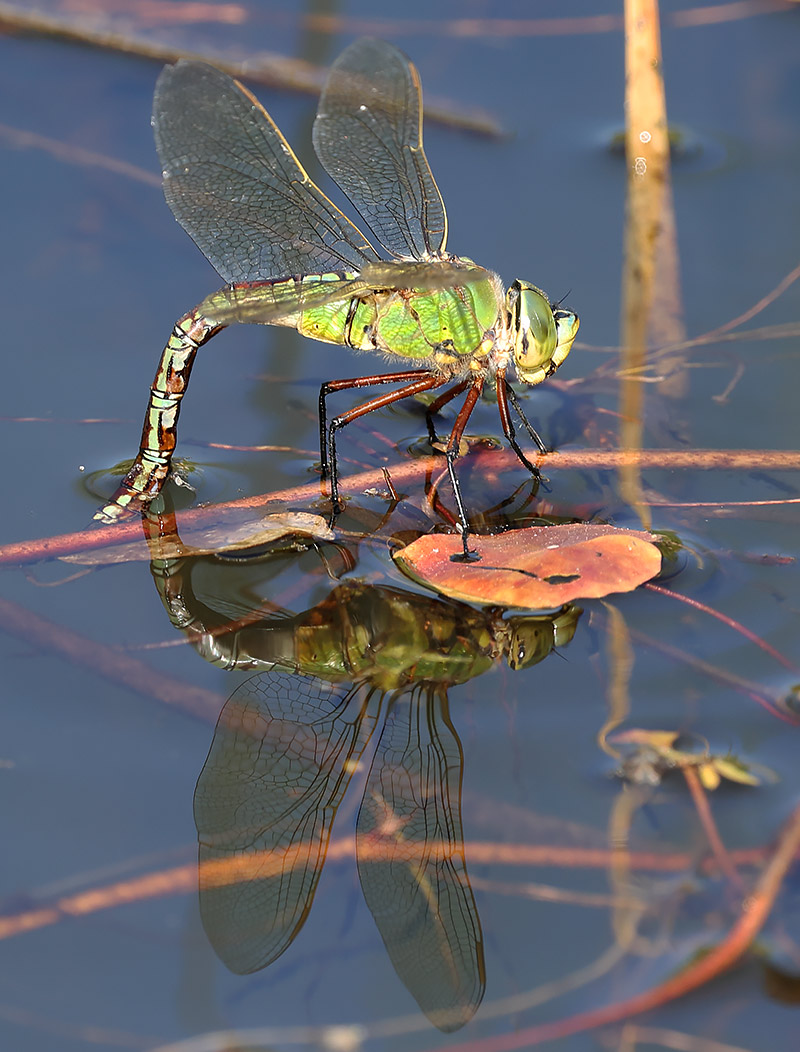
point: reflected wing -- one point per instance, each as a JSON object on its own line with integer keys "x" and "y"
{"x": 237, "y": 189}
{"x": 368, "y": 135}
{"x": 283, "y": 753}
{"x": 411, "y": 860}
{"x": 272, "y": 302}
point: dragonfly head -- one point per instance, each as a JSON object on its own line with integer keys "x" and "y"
{"x": 530, "y": 640}
{"x": 531, "y": 637}
{"x": 542, "y": 332}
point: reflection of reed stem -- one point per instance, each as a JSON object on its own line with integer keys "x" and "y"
{"x": 620, "y": 666}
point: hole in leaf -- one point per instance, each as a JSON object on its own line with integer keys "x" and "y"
{"x": 562, "y": 578}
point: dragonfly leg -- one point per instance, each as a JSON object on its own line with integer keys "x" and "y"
{"x": 509, "y": 393}
{"x": 438, "y": 404}
{"x": 159, "y": 434}
{"x": 424, "y": 380}
{"x": 407, "y": 376}
{"x": 452, "y": 450}
{"x": 504, "y": 390}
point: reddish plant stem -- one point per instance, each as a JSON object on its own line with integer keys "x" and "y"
{"x": 737, "y": 626}
{"x": 495, "y": 462}
{"x": 700, "y": 798}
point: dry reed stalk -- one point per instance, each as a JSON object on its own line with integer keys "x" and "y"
{"x": 647, "y": 154}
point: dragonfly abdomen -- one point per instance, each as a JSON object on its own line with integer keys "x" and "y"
{"x": 160, "y": 431}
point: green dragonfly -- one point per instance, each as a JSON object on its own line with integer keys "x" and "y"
{"x": 289, "y": 256}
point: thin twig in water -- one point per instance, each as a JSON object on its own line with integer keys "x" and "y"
{"x": 110, "y": 663}
{"x": 276, "y": 71}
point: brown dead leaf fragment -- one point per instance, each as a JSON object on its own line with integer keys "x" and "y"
{"x": 539, "y": 568}
{"x": 211, "y": 540}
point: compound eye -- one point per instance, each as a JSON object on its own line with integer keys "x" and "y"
{"x": 536, "y": 338}
{"x": 566, "y": 324}
{"x": 542, "y": 321}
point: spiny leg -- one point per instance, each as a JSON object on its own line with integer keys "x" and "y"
{"x": 425, "y": 381}
{"x": 346, "y": 385}
{"x": 453, "y": 446}
{"x": 149, "y": 470}
{"x": 438, "y": 404}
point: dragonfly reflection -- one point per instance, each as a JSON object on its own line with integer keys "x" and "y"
{"x": 289, "y": 740}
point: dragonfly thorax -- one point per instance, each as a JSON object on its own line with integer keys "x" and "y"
{"x": 542, "y": 333}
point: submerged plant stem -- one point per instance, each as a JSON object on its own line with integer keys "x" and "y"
{"x": 277, "y": 71}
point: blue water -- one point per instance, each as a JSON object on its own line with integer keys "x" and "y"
{"x": 98, "y": 774}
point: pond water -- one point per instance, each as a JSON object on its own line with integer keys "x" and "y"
{"x": 565, "y": 889}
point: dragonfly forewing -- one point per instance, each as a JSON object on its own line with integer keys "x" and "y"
{"x": 283, "y": 753}
{"x": 236, "y": 187}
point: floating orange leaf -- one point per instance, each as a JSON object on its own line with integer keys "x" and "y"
{"x": 539, "y": 568}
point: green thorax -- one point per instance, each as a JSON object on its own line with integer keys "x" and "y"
{"x": 407, "y": 323}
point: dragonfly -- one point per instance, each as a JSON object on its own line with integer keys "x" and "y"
{"x": 290, "y": 257}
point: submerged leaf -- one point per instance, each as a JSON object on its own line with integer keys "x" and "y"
{"x": 735, "y": 770}
{"x": 709, "y": 776}
{"x": 540, "y": 567}
{"x": 657, "y": 752}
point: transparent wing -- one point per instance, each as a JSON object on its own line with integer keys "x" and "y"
{"x": 283, "y": 753}
{"x": 368, "y": 136}
{"x": 237, "y": 189}
{"x": 411, "y": 860}
{"x": 272, "y": 302}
